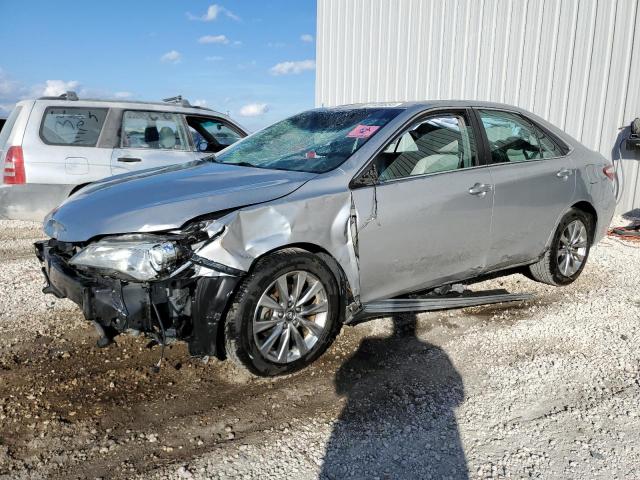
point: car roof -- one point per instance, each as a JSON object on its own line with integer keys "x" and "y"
{"x": 426, "y": 104}
{"x": 173, "y": 106}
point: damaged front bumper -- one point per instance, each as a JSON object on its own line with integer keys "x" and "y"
{"x": 187, "y": 307}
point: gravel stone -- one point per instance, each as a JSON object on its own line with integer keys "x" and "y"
{"x": 548, "y": 388}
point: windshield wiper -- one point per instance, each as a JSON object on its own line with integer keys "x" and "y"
{"x": 213, "y": 158}
{"x": 243, "y": 164}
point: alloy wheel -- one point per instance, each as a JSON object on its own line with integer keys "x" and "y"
{"x": 572, "y": 249}
{"x": 290, "y": 317}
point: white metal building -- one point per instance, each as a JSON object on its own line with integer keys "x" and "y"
{"x": 573, "y": 62}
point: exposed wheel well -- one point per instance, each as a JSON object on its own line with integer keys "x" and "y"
{"x": 587, "y": 208}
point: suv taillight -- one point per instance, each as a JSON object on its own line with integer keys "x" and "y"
{"x": 14, "y": 166}
{"x": 610, "y": 172}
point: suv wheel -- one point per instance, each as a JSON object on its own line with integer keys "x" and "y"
{"x": 285, "y": 314}
{"x": 565, "y": 259}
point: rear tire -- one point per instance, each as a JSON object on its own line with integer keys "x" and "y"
{"x": 567, "y": 255}
{"x": 268, "y": 332}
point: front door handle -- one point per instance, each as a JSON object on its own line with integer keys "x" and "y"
{"x": 564, "y": 173}
{"x": 480, "y": 189}
{"x": 129, "y": 159}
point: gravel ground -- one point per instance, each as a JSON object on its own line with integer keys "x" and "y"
{"x": 546, "y": 389}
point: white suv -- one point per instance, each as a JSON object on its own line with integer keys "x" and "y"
{"x": 53, "y": 146}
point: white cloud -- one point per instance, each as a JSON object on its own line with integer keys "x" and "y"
{"x": 54, "y": 88}
{"x": 286, "y": 68}
{"x": 276, "y": 44}
{"x": 214, "y": 58}
{"x": 307, "y": 38}
{"x": 221, "y": 39}
{"x": 212, "y": 13}
{"x": 254, "y": 109}
{"x": 12, "y": 91}
{"x": 172, "y": 56}
{"x": 237, "y": 42}
{"x": 200, "y": 103}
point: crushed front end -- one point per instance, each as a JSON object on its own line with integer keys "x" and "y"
{"x": 149, "y": 283}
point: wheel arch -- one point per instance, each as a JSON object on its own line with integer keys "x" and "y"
{"x": 589, "y": 209}
{"x": 583, "y": 206}
{"x": 325, "y": 256}
{"x": 316, "y": 258}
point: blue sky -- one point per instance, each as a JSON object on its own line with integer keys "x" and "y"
{"x": 254, "y": 59}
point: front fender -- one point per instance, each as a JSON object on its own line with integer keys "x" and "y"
{"x": 323, "y": 220}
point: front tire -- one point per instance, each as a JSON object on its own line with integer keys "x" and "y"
{"x": 564, "y": 261}
{"x": 285, "y": 314}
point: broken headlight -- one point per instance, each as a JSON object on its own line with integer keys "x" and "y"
{"x": 141, "y": 257}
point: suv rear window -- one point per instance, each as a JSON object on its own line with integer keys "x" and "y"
{"x": 80, "y": 126}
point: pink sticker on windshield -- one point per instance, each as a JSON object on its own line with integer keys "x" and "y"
{"x": 363, "y": 131}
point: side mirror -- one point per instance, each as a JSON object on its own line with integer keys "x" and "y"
{"x": 202, "y": 146}
{"x": 368, "y": 178}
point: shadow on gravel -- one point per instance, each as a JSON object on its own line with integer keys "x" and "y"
{"x": 398, "y": 421}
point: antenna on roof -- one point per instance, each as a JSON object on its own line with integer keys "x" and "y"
{"x": 178, "y": 100}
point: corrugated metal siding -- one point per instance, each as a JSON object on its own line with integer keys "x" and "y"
{"x": 573, "y": 62}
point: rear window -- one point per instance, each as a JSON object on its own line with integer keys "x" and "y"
{"x": 8, "y": 125}
{"x": 79, "y": 126}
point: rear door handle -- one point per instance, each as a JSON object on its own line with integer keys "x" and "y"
{"x": 480, "y": 189}
{"x": 564, "y": 173}
{"x": 129, "y": 159}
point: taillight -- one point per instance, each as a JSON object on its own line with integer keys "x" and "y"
{"x": 14, "y": 166}
{"x": 610, "y": 172}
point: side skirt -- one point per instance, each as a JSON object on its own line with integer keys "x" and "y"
{"x": 433, "y": 302}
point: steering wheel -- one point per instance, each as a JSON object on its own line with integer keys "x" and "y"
{"x": 514, "y": 143}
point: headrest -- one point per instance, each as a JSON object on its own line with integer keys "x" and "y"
{"x": 151, "y": 134}
{"x": 167, "y": 138}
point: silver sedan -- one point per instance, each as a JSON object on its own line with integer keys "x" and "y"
{"x": 262, "y": 252}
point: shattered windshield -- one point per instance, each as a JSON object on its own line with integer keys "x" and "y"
{"x": 315, "y": 141}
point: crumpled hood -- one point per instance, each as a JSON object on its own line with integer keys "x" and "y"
{"x": 165, "y": 198}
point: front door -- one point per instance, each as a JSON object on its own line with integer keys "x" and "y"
{"x": 534, "y": 184}
{"x": 428, "y": 220}
{"x": 151, "y": 139}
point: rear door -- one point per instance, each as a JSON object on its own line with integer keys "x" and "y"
{"x": 431, "y": 216}
{"x": 151, "y": 139}
{"x": 534, "y": 183}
